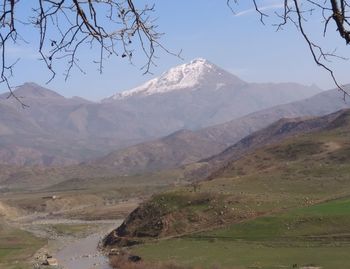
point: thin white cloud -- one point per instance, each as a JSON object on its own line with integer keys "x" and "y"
{"x": 262, "y": 8}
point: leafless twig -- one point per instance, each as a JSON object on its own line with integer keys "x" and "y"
{"x": 116, "y": 27}
{"x": 296, "y": 12}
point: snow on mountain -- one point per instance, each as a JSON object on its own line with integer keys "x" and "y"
{"x": 186, "y": 76}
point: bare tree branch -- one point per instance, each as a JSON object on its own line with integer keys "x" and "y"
{"x": 65, "y": 26}
{"x": 119, "y": 27}
{"x": 297, "y": 13}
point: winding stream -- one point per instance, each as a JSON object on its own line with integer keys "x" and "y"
{"x": 83, "y": 253}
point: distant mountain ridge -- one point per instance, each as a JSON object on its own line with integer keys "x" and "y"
{"x": 71, "y": 130}
{"x": 171, "y": 159}
{"x": 185, "y": 147}
{"x": 32, "y": 90}
{"x": 175, "y": 150}
{"x": 200, "y": 94}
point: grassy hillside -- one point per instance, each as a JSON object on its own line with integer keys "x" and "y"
{"x": 318, "y": 235}
{"x": 275, "y": 207}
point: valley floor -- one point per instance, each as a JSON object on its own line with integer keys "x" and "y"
{"x": 316, "y": 236}
{"x": 73, "y": 243}
{"x": 35, "y": 222}
{"x": 26, "y": 237}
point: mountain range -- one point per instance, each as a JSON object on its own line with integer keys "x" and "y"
{"x": 184, "y": 155}
{"x": 55, "y": 130}
{"x": 186, "y": 146}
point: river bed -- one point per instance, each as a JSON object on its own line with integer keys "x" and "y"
{"x": 83, "y": 253}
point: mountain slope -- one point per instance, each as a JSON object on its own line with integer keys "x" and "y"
{"x": 178, "y": 149}
{"x": 280, "y": 130}
{"x": 291, "y": 173}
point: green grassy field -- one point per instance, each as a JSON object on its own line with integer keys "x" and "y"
{"x": 318, "y": 235}
{"x": 285, "y": 205}
{"x": 16, "y": 247}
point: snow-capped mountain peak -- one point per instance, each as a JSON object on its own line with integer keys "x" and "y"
{"x": 186, "y": 76}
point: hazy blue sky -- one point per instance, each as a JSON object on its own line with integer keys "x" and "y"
{"x": 201, "y": 28}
